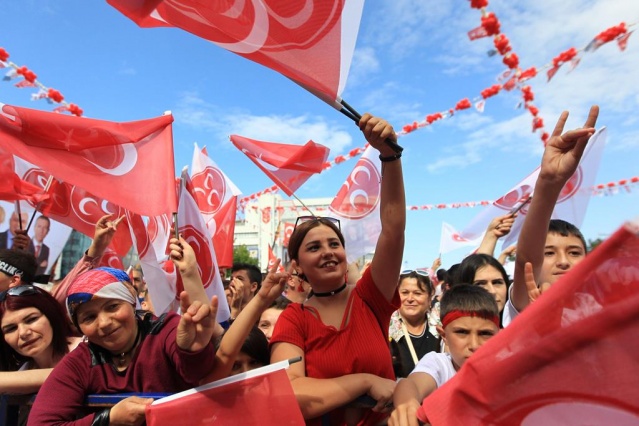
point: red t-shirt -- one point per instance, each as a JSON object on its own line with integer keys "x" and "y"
{"x": 359, "y": 347}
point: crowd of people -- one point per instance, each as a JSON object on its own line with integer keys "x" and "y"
{"x": 373, "y": 342}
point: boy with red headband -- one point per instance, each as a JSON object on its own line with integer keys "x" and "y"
{"x": 469, "y": 317}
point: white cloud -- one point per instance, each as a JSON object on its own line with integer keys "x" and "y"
{"x": 195, "y": 112}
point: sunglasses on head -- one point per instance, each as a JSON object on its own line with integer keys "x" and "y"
{"x": 421, "y": 272}
{"x": 303, "y": 219}
{"x": 21, "y": 290}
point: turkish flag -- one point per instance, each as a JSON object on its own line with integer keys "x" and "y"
{"x": 310, "y": 42}
{"x": 12, "y": 187}
{"x": 193, "y": 229}
{"x": 74, "y": 206}
{"x": 356, "y": 205}
{"x": 263, "y": 396}
{"x": 289, "y": 166}
{"x": 216, "y": 197}
{"x": 476, "y": 33}
{"x": 130, "y": 164}
{"x": 289, "y": 227}
{"x": 569, "y": 358}
{"x": 272, "y": 259}
{"x": 451, "y": 239}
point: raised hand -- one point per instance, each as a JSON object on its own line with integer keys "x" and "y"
{"x": 563, "y": 152}
{"x": 376, "y": 130}
{"x": 104, "y": 231}
{"x": 197, "y": 324}
{"x": 273, "y": 284}
{"x": 501, "y": 225}
{"x": 21, "y": 240}
{"x": 183, "y": 256}
{"x": 534, "y": 291}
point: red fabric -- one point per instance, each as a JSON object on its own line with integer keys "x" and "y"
{"x": 129, "y": 164}
{"x": 262, "y": 400}
{"x": 12, "y": 187}
{"x": 456, "y": 314}
{"x": 569, "y": 358}
{"x": 359, "y": 347}
{"x": 225, "y": 233}
{"x": 301, "y": 40}
{"x": 272, "y": 259}
{"x": 289, "y": 166}
{"x": 289, "y": 227}
{"x": 75, "y": 207}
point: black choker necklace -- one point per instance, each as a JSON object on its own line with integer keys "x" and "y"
{"x": 121, "y": 358}
{"x": 328, "y": 293}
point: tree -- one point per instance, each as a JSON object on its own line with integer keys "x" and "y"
{"x": 592, "y": 244}
{"x": 242, "y": 255}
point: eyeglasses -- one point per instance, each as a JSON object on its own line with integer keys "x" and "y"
{"x": 421, "y": 272}
{"x": 21, "y": 290}
{"x": 303, "y": 219}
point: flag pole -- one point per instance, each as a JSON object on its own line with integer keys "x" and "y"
{"x": 303, "y": 205}
{"x": 351, "y": 113}
{"x": 37, "y": 207}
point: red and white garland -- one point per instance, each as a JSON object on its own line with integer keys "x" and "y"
{"x": 30, "y": 79}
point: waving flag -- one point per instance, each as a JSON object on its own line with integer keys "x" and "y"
{"x": 289, "y": 166}
{"x": 74, "y": 206}
{"x": 311, "y": 42}
{"x": 289, "y": 227}
{"x": 216, "y": 197}
{"x": 12, "y": 187}
{"x": 130, "y": 164}
{"x": 265, "y": 396}
{"x": 452, "y": 240}
{"x": 571, "y": 205}
{"x": 272, "y": 259}
{"x": 569, "y": 358}
{"x": 193, "y": 229}
{"x": 161, "y": 285}
{"x": 356, "y": 205}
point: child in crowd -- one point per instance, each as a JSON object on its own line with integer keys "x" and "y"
{"x": 469, "y": 317}
{"x": 270, "y": 315}
{"x": 253, "y": 354}
{"x": 551, "y": 247}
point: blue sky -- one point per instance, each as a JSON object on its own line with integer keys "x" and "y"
{"x": 412, "y": 58}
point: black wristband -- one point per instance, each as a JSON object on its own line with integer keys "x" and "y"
{"x": 390, "y": 158}
{"x": 102, "y": 418}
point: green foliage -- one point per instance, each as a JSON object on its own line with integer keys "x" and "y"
{"x": 592, "y": 244}
{"x": 242, "y": 255}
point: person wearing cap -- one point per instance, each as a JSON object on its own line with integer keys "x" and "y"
{"x": 125, "y": 353}
{"x": 18, "y": 267}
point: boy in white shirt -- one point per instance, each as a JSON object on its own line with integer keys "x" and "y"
{"x": 469, "y": 317}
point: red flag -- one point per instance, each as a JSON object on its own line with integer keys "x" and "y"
{"x": 130, "y": 164}
{"x": 288, "y": 231}
{"x": 289, "y": 166}
{"x": 216, "y": 197}
{"x": 476, "y": 33}
{"x": 272, "y": 259}
{"x": 263, "y": 396}
{"x": 311, "y": 43}
{"x": 12, "y": 187}
{"x": 74, "y": 206}
{"x": 569, "y": 358}
{"x": 452, "y": 240}
{"x": 551, "y": 72}
{"x": 357, "y": 205}
{"x": 111, "y": 259}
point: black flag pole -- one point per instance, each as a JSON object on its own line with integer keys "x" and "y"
{"x": 351, "y": 113}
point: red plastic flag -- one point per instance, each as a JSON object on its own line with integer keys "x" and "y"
{"x": 452, "y": 240}
{"x": 12, "y": 187}
{"x": 289, "y": 166}
{"x": 130, "y": 164}
{"x": 258, "y": 397}
{"x": 272, "y": 259}
{"x": 216, "y": 197}
{"x": 569, "y": 358}
{"x": 310, "y": 42}
{"x": 289, "y": 227}
{"x": 356, "y": 205}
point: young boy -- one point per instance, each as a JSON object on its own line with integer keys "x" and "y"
{"x": 469, "y": 317}
{"x": 551, "y": 247}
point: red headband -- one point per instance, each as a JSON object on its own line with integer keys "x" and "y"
{"x": 455, "y": 314}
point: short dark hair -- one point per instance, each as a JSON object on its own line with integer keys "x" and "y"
{"x": 442, "y": 275}
{"x": 24, "y": 261}
{"x": 280, "y": 303}
{"x": 254, "y": 273}
{"x": 468, "y": 298}
{"x": 43, "y": 217}
{"x": 295, "y": 241}
{"x": 10, "y": 360}
{"x": 255, "y": 346}
{"x": 566, "y": 229}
